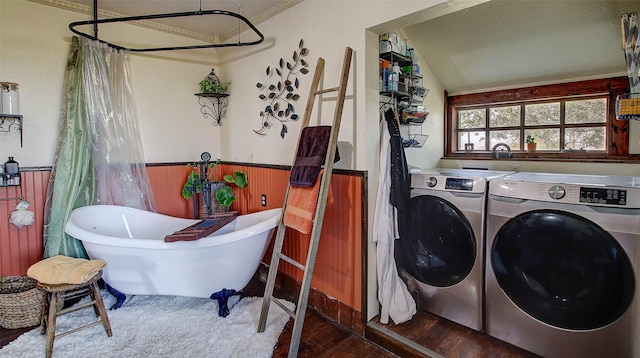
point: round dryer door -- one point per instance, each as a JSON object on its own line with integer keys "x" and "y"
{"x": 438, "y": 245}
{"x": 563, "y": 269}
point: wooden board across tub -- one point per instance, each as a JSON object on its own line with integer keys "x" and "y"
{"x": 202, "y": 228}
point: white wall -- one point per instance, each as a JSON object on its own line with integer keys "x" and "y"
{"x": 326, "y": 27}
{"x": 35, "y": 39}
{"x": 33, "y": 54}
{"x": 34, "y": 45}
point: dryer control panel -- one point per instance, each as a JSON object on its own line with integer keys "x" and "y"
{"x": 607, "y": 196}
{"x": 567, "y": 193}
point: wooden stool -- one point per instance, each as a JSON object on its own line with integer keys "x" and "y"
{"x": 53, "y": 307}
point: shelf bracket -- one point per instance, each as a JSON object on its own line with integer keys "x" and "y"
{"x": 10, "y": 122}
{"x": 213, "y": 105}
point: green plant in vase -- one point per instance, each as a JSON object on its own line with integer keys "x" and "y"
{"x": 531, "y": 143}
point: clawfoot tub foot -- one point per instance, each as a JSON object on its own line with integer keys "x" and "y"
{"x": 223, "y": 297}
{"x": 120, "y": 297}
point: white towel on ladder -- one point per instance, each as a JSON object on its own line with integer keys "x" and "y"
{"x": 395, "y": 299}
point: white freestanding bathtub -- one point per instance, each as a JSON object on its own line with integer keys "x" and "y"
{"x": 139, "y": 262}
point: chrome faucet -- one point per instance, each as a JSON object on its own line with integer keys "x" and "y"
{"x": 501, "y": 151}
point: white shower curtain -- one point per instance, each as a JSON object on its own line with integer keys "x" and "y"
{"x": 118, "y": 160}
{"x": 395, "y": 299}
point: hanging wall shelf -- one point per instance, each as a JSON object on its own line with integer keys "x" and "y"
{"x": 213, "y": 105}
{"x": 9, "y": 122}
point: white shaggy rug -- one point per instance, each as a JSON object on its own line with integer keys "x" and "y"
{"x": 162, "y": 326}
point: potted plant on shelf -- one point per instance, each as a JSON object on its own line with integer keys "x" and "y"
{"x": 211, "y": 84}
{"x": 531, "y": 143}
{"x": 221, "y": 194}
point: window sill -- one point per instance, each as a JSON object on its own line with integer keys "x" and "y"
{"x": 548, "y": 157}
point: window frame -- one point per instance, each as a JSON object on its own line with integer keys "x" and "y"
{"x": 617, "y": 131}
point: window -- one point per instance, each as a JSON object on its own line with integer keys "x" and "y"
{"x": 569, "y": 124}
{"x": 567, "y": 121}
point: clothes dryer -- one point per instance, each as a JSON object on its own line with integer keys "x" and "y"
{"x": 562, "y": 261}
{"x": 440, "y": 252}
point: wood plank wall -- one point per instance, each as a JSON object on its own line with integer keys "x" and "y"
{"x": 338, "y": 266}
{"x": 21, "y": 248}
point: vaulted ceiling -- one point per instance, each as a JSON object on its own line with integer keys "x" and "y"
{"x": 507, "y": 43}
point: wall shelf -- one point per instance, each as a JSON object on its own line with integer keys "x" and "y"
{"x": 213, "y": 105}
{"x": 18, "y": 186}
{"x": 9, "y": 122}
{"x": 408, "y": 97}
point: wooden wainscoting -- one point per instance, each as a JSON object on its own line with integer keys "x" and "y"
{"x": 21, "y": 248}
{"x": 338, "y": 266}
{"x": 338, "y": 270}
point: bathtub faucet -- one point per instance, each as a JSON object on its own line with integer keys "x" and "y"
{"x": 202, "y": 183}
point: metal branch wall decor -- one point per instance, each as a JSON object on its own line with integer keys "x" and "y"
{"x": 280, "y": 91}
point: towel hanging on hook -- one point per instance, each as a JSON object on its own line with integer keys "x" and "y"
{"x": 95, "y": 22}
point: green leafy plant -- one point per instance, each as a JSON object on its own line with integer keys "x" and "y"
{"x": 224, "y": 194}
{"x": 530, "y": 139}
{"x": 213, "y": 87}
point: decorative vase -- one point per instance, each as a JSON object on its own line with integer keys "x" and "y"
{"x": 211, "y": 84}
{"x": 216, "y": 207}
{"x": 531, "y": 147}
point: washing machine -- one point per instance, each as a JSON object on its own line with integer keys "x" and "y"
{"x": 440, "y": 251}
{"x": 562, "y": 261}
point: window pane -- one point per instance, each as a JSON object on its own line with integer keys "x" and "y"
{"x": 547, "y": 139}
{"x": 504, "y": 116}
{"x": 588, "y": 138}
{"x": 586, "y": 111}
{"x": 471, "y": 118}
{"x": 508, "y": 137}
{"x": 542, "y": 113}
{"x": 475, "y": 137}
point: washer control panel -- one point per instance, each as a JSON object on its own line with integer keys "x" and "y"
{"x": 448, "y": 183}
{"x": 459, "y": 184}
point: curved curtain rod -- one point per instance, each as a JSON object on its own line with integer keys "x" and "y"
{"x": 95, "y": 22}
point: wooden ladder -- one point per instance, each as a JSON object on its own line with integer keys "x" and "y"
{"x": 303, "y": 297}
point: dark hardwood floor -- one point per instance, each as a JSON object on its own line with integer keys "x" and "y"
{"x": 323, "y": 339}
{"x": 425, "y": 335}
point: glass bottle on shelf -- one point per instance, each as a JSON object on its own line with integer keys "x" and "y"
{"x": 11, "y": 172}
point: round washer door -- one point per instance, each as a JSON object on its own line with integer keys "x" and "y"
{"x": 437, "y": 242}
{"x": 563, "y": 269}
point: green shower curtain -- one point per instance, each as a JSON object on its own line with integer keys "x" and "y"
{"x": 71, "y": 183}
{"x": 99, "y": 157}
